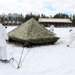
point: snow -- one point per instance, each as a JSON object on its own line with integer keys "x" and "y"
{"x": 55, "y": 59}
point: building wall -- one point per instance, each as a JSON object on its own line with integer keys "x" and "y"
{"x": 47, "y": 24}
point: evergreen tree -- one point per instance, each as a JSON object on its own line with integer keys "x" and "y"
{"x": 61, "y": 15}
{"x": 73, "y": 21}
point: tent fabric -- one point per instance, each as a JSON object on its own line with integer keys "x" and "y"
{"x": 32, "y": 33}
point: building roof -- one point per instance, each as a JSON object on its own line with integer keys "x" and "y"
{"x": 61, "y": 20}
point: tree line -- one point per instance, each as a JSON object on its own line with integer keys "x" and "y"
{"x": 18, "y": 19}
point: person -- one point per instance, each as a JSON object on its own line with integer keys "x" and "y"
{"x": 3, "y": 43}
{"x": 72, "y": 37}
{"x": 52, "y": 28}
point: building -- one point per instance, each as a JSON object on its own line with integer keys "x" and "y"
{"x": 57, "y": 22}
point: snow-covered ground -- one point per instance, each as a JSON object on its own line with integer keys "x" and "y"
{"x": 55, "y": 59}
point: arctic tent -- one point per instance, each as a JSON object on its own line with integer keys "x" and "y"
{"x": 31, "y": 33}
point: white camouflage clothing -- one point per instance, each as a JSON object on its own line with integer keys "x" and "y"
{"x": 3, "y": 44}
{"x": 52, "y": 28}
{"x": 72, "y": 37}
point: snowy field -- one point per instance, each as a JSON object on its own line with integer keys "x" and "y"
{"x": 55, "y": 59}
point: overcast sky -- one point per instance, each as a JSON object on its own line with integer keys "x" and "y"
{"x": 47, "y": 7}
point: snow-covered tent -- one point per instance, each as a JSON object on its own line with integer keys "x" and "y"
{"x": 32, "y": 33}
